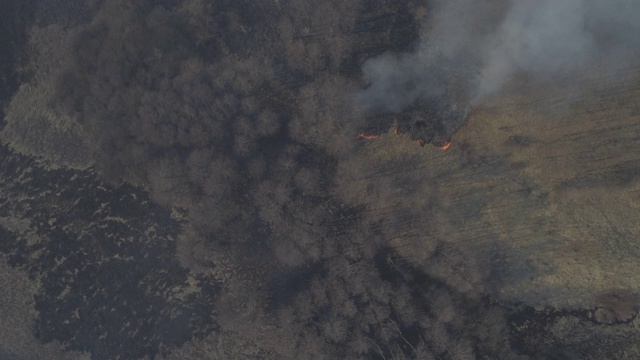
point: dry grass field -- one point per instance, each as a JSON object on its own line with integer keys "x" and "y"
{"x": 544, "y": 177}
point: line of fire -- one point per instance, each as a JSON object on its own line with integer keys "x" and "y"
{"x": 434, "y": 125}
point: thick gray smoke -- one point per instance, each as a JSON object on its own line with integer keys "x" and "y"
{"x": 471, "y": 48}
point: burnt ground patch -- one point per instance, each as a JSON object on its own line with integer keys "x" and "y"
{"x": 110, "y": 283}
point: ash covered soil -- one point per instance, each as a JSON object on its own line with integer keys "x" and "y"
{"x": 186, "y": 180}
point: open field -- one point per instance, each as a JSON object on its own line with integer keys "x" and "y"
{"x": 541, "y": 186}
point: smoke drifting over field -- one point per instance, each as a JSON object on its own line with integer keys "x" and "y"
{"x": 472, "y": 48}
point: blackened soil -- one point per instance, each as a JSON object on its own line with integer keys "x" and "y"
{"x": 105, "y": 259}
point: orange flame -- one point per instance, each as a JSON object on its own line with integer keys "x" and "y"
{"x": 446, "y": 145}
{"x": 367, "y": 137}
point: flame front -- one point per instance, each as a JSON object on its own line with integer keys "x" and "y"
{"x": 365, "y": 136}
{"x": 446, "y": 145}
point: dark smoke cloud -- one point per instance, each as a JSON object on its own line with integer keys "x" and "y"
{"x": 472, "y": 48}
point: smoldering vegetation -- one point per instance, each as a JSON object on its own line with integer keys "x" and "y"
{"x": 240, "y": 118}
{"x": 470, "y": 49}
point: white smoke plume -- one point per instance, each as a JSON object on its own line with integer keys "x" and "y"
{"x": 471, "y": 48}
